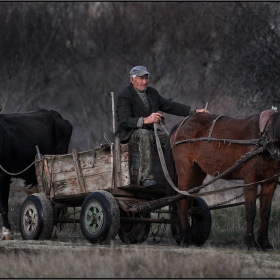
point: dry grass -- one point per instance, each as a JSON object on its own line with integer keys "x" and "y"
{"x": 223, "y": 256}
{"x": 228, "y": 227}
{"x": 121, "y": 262}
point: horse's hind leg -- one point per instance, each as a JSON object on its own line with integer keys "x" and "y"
{"x": 250, "y": 194}
{"x": 267, "y": 192}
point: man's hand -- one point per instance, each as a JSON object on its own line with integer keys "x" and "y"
{"x": 153, "y": 118}
{"x": 202, "y": 110}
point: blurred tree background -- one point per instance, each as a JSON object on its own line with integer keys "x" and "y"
{"x": 69, "y": 56}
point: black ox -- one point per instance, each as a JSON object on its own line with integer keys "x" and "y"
{"x": 20, "y": 133}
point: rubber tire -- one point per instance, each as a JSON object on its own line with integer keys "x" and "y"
{"x": 40, "y": 208}
{"x": 200, "y": 223}
{"x": 133, "y": 232}
{"x": 108, "y": 217}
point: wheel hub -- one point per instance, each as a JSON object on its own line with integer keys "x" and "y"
{"x": 30, "y": 220}
{"x": 94, "y": 217}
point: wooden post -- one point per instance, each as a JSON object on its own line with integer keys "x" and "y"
{"x": 117, "y": 163}
{"x": 39, "y": 175}
{"x": 47, "y": 176}
{"x": 79, "y": 173}
{"x": 117, "y": 151}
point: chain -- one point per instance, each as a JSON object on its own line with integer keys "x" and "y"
{"x": 195, "y": 210}
{"x": 225, "y": 202}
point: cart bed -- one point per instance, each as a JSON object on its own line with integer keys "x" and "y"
{"x": 80, "y": 173}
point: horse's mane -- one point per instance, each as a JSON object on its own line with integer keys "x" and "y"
{"x": 275, "y": 126}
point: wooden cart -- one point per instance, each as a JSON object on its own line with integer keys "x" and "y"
{"x": 105, "y": 184}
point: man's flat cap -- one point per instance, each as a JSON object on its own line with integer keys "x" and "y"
{"x": 139, "y": 71}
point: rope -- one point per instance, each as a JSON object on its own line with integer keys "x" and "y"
{"x": 163, "y": 128}
{"x": 14, "y": 174}
{"x": 163, "y": 164}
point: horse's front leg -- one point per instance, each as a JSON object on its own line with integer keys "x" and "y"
{"x": 190, "y": 175}
{"x": 185, "y": 233}
{"x": 267, "y": 192}
{"x": 250, "y": 195}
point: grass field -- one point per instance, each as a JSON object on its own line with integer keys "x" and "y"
{"x": 224, "y": 254}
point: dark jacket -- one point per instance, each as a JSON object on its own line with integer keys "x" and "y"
{"x": 130, "y": 108}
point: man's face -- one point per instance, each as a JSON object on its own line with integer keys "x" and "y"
{"x": 140, "y": 83}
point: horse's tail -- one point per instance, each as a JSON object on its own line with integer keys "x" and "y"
{"x": 170, "y": 167}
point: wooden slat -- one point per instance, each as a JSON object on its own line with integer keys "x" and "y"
{"x": 79, "y": 173}
{"x": 47, "y": 176}
{"x": 38, "y": 169}
{"x": 69, "y": 186}
{"x": 66, "y": 187}
{"x": 117, "y": 162}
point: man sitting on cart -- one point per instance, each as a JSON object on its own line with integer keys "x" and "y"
{"x": 138, "y": 107}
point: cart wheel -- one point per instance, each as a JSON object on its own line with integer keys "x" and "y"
{"x": 36, "y": 217}
{"x": 134, "y": 232}
{"x": 200, "y": 223}
{"x": 100, "y": 217}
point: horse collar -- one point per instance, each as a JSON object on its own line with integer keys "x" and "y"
{"x": 264, "y": 117}
{"x": 267, "y": 141}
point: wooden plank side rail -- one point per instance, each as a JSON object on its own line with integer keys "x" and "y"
{"x": 117, "y": 163}
{"x": 81, "y": 181}
{"x": 47, "y": 177}
{"x": 39, "y": 174}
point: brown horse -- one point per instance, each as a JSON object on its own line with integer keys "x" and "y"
{"x": 209, "y": 144}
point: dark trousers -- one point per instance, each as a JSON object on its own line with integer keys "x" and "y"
{"x": 146, "y": 139}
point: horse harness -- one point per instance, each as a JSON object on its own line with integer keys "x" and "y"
{"x": 210, "y": 138}
{"x": 260, "y": 145}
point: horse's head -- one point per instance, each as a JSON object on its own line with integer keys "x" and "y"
{"x": 271, "y": 134}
